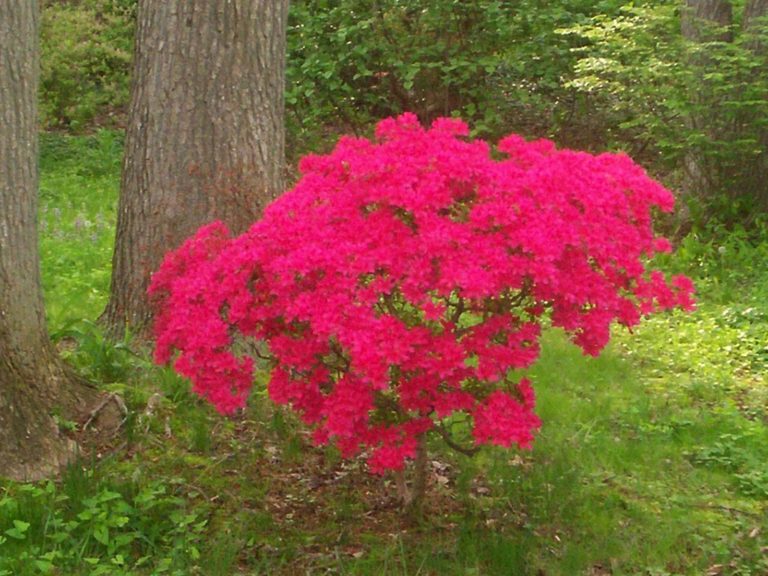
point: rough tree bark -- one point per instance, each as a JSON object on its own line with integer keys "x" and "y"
{"x": 205, "y": 137}
{"x": 34, "y": 383}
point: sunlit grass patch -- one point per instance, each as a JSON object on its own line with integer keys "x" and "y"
{"x": 79, "y": 184}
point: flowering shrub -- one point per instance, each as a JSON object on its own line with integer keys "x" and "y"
{"x": 404, "y": 279}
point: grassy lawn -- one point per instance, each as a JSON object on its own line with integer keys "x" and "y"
{"x": 652, "y": 459}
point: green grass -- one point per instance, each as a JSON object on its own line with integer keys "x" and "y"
{"x": 651, "y": 459}
{"x": 79, "y": 184}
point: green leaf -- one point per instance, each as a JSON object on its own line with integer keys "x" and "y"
{"x": 19, "y": 530}
{"x": 44, "y": 566}
{"x": 101, "y": 534}
{"x": 21, "y": 526}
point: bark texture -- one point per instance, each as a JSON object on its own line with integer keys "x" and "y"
{"x": 205, "y": 137}
{"x": 33, "y": 381}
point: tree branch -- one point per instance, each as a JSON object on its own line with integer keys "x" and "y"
{"x": 466, "y": 450}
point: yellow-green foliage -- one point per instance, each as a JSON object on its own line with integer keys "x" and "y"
{"x": 85, "y": 61}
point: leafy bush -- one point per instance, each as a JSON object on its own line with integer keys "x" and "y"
{"x": 85, "y": 58}
{"x": 497, "y": 64}
{"x": 675, "y": 99}
{"x": 630, "y": 64}
{"x": 430, "y": 57}
{"x": 403, "y": 281}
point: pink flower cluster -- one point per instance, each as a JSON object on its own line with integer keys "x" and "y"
{"x": 404, "y": 279}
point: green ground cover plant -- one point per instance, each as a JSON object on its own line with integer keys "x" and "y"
{"x": 651, "y": 460}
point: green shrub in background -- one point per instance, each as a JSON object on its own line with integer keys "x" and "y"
{"x": 354, "y": 61}
{"x": 496, "y": 64}
{"x": 86, "y": 49}
{"x": 678, "y": 102}
{"x": 592, "y": 75}
{"x": 629, "y": 66}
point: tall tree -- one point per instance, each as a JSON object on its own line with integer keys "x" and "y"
{"x": 205, "y": 137}
{"x": 754, "y": 10}
{"x": 732, "y": 159}
{"x": 704, "y": 21}
{"x": 755, "y": 27}
{"x": 34, "y": 382}
{"x": 701, "y": 14}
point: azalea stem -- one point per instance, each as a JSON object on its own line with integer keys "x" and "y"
{"x": 458, "y": 311}
{"x": 412, "y": 497}
{"x": 466, "y": 450}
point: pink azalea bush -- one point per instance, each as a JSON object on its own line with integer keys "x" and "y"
{"x": 403, "y": 280}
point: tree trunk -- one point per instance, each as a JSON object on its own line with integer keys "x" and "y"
{"x": 704, "y": 21}
{"x": 412, "y": 497}
{"x": 700, "y": 15}
{"x": 34, "y": 383}
{"x": 753, "y": 10}
{"x": 205, "y": 137}
{"x": 755, "y": 27}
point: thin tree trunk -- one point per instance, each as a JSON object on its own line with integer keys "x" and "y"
{"x": 412, "y": 497}
{"x": 700, "y": 15}
{"x": 755, "y": 27}
{"x": 205, "y": 137}
{"x": 704, "y": 21}
{"x": 753, "y": 10}
{"x": 34, "y": 383}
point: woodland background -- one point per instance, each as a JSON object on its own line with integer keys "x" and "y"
{"x": 652, "y": 459}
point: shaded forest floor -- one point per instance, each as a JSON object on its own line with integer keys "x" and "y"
{"x": 653, "y": 459}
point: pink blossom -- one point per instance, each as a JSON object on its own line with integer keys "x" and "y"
{"x": 403, "y": 280}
